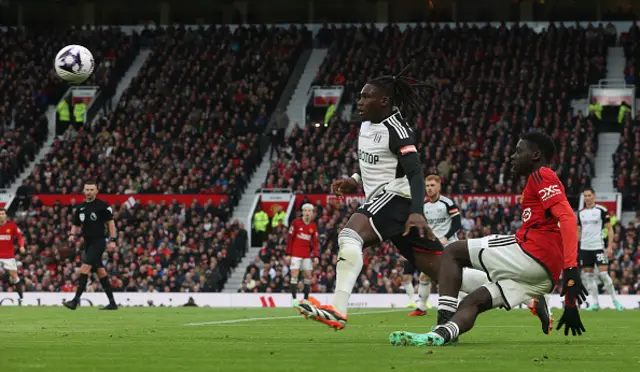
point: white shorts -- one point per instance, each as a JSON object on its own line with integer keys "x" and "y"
{"x": 514, "y": 276}
{"x": 299, "y": 263}
{"x": 8, "y": 264}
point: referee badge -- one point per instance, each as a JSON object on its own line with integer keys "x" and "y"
{"x": 93, "y": 216}
{"x": 81, "y": 217}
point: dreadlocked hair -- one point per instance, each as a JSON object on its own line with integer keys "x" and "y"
{"x": 401, "y": 90}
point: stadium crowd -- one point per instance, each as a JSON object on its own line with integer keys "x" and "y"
{"x": 190, "y": 122}
{"x": 489, "y": 86}
{"x": 29, "y": 84}
{"x": 161, "y": 247}
{"x": 383, "y": 265}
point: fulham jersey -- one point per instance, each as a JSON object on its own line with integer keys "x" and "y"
{"x": 592, "y": 221}
{"x": 439, "y": 215}
{"x": 379, "y": 146}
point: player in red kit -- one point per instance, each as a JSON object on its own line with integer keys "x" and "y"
{"x": 9, "y": 232}
{"x": 520, "y": 267}
{"x": 302, "y": 246}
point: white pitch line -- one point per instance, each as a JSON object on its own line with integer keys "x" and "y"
{"x": 244, "y": 320}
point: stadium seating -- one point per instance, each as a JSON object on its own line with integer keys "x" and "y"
{"x": 191, "y": 120}
{"x": 30, "y": 84}
{"x": 627, "y": 164}
{"x": 194, "y": 251}
{"x": 490, "y": 86}
{"x": 383, "y": 265}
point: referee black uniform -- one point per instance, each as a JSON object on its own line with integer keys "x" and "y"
{"x": 93, "y": 218}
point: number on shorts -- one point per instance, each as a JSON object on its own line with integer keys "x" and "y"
{"x": 602, "y": 258}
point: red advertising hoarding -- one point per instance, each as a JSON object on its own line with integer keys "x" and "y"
{"x": 50, "y": 199}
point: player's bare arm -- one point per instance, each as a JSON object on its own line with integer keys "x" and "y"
{"x": 113, "y": 235}
{"x": 75, "y": 230}
{"x": 609, "y": 238}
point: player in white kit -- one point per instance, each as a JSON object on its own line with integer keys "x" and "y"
{"x": 591, "y": 220}
{"x": 443, "y": 216}
{"x": 392, "y": 176}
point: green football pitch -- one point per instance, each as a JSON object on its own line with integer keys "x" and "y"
{"x": 206, "y": 339}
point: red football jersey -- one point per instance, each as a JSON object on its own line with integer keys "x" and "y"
{"x": 539, "y": 235}
{"x": 8, "y": 233}
{"x": 303, "y": 239}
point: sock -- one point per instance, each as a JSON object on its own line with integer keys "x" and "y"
{"x": 529, "y": 302}
{"x": 447, "y": 307}
{"x": 449, "y": 331}
{"x": 82, "y": 284}
{"x": 409, "y": 290}
{"x": 18, "y": 287}
{"x": 608, "y": 284}
{"x": 423, "y": 294}
{"x": 348, "y": 268}
{"x": 106, "y": 286}
{"x": 307, "y": 288}
{"x": 294, "y": 287}
{"x": 592, "y": 287}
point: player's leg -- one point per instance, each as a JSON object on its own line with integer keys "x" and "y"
{"x": 14, "y": 279}
{"x": 296, "y": 262}
{"x": 407, "y": 282}
{"x": 424, "y": 289}
{"x": 517, "y": 277}
{"x": 352, "y": 238}
{"x": 589, "y": 278}
{"x": 106, "y": 287}
{"x": 603, "y": 272}
{"x": 307, "y": 272}
{"x": 85, "y": 270}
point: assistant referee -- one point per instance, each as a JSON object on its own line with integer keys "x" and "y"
{"x": 91, "y": 216}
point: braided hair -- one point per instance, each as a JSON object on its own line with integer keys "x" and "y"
{"x": 401, "y": 90}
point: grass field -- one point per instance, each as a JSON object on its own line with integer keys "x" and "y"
{"x": 201, "y": 339}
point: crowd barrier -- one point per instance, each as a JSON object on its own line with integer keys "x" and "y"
{"x": 227, "y": 300}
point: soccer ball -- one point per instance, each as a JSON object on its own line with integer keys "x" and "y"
{"x": 74, "y": 63}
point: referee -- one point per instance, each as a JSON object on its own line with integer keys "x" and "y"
{"x": 91, "y": 216}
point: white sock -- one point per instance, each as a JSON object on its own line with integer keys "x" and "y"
{"x": 423, "y": 294}
{"x": 409, "y": 290}
{"x": 473, "y": 279}
{"x": 592, "y": 286}
{"x": 348, "y": 268}
{"x": 608, "y": 284}
{"x": 529, "y": 302}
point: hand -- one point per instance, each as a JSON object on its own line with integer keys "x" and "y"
{"x": 571, "y": 321}
{"x": 418, "y": 221}
{"x": 72, "y": 238}
{"x": 22, "y": 250}
{"x": 344, "y": 186}
{"x": 572, "y": 286}
{"x": 610, "y": 252}
{"x": 444, "y": 241}
{"x": 112, "y": 245}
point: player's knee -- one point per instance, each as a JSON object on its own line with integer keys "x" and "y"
{"x": 307, "y": 281}
{"x": 407, "y": 278}
{"x": 15, "y": 279}
{"x": 360, "y": 225}
{"x": 424, "y": 277}
{"x": 604, "y": 276}
{"x": 294, "y": 280}
{"x": 480, "y": 300}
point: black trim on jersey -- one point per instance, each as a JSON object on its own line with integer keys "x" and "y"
{"x": 537, "y": 177}
{"x": 401, "y": 135}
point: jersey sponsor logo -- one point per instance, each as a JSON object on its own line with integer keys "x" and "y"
{"x": 304, "y": 236}
{"x": 5, "y": 237}
{"x": 408, "y": 149}
{"x": 93, "y": 217}
{"x": 367, "y": 157}
{"x": 549, "y": 192}
{"x": 377, "y": 138}
{"x": 435, "y": 221}
{"x": 526, "y": 214}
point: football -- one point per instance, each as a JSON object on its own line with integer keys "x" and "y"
{"x": 74, "y": 64}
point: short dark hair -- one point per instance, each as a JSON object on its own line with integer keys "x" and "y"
{"x": 589, "y": 188}
{"x": 90, "y": 182}
{"x": 544, "y": 143}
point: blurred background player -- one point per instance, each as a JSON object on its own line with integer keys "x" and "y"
{"x": 302, "y": 246}
{"x": 9, "y": 232}
{"x": 444, "y": 219}
{"x": 91, "y": 216}
{"x": 591, "y": 220}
